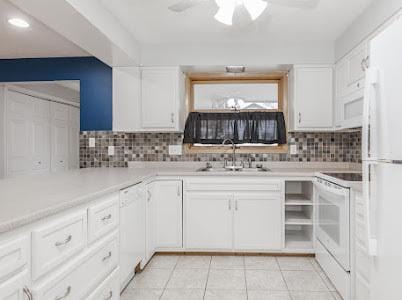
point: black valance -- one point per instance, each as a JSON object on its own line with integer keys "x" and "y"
{"x": 241, "y": 127}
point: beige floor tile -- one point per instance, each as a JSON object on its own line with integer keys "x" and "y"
{"x": 226, "y": 280}
{"x": 183, "y": 294}
{"x": 225, "y": 295}
{"x": 327, "y": 281}
{"x": 268, "y": 295}
{"x": 261, "y": 263}
{"x": 295, "y": 264}
{"x": 312, "y": 296}
{"x": 265, "y": 280}
{"x": 337, "y": 296}
{"x": 193, "y": 262}
{"x": 315, "y": 264}
{"x": 227, "y": 262}
{"x": 188, "y": 279}
{"x": 306, "y": 281}
{"x": 151, "y": 279}
{"x": 143, "y": 294}
{"x": 163, "y": 262}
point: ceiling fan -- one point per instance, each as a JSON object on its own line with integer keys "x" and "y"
{"x": 227, "y": 8}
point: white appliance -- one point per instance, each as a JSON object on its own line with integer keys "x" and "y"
{"x": 132, "y": 231}
{"x": 382, "y": 162}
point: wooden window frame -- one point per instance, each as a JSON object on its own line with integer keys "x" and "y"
{"x": 280, "y": 77}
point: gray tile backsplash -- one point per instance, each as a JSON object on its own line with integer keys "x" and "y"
{"x": 314, "y": 147}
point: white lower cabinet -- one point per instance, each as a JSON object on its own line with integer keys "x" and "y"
{"x": 208, "y": 221}
{"x": 233, "y": 221}
{"x": 109, "y": 289}
{"x": 16, "y": 288}
{"x": 257, "y": 221}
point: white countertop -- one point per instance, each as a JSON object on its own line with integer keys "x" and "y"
{"x": 27, "y": 199}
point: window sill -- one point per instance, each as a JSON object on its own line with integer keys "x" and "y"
{"x": 241, "y": 149}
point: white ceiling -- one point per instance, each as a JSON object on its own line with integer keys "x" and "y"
{"x": 151, "y": 22}
{"x": 35, "y": 41}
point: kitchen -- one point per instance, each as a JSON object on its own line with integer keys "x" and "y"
{"x": 200, "y": 149}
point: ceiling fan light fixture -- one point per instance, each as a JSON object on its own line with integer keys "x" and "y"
{"x": 255, "y": 7}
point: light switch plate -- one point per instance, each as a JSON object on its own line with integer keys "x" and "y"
{"x": 175, "y": 149}
{"x": 293, "y": 149}
{"x": 110, "y": 150}
{"x": 91, "y": 142}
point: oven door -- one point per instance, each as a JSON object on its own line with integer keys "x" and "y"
{"x": 332, "y": 219}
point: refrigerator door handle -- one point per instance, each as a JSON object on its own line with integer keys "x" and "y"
{"x": 371, "y": 239}
{"x": 369, "y": 114}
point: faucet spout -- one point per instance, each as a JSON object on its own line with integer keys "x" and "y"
{"x": 234, "y": 150}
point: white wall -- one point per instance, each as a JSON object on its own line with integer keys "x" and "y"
{"x": 2, "y": 137}
{"x": 211, "y": 55}
{"x": 372, "y": 18}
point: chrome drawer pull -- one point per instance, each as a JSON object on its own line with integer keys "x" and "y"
{"x": 65, "y": 242}
{"x": 107, "y": 256}
{"x": 68, "y": 291}
{"x": 108, "y": 217}
{"x": 110, "y": 296}
{"x": 27, "y": 292}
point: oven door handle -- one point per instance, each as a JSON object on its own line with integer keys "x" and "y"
{"x": 330, "y": 188}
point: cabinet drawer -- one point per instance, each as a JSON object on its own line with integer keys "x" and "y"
{"x": 109, "y": 289}
{"x": 54, "y": 243}
{"x": 15, "y": 287}
{"x": 233, "y": 184}
{"x": 83, "y": 274}
{"x": 13, "y": 256}
{"x": 103, "y": 217}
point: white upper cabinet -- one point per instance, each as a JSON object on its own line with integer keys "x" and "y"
{"x": 350, "y": 80}
{"x": 311, "y": 98}
{"x": 148, "y": 99}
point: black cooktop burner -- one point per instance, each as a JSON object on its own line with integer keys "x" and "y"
{"x": 346, "y": 176}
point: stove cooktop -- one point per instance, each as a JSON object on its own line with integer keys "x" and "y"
{"x": 346, "y": 176}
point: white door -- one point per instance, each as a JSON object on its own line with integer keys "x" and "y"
{"x": 159, "y": 96}
{"x": 15, "y": 288}
{"x": 313, "y": 94}
{"x": 18, "y": 134}
{"x": 41, "y": 136}
{"x": 168, "y": 213}
{"x": 385, "y": 221}
{"x": 59, "y": 137}
{"x": 257, "y": 221}
{"x": 74, "y": 138}
{"x": 150, "y": 221}
{"x": 209, "y": 220}
{"x": 383, "y": 93}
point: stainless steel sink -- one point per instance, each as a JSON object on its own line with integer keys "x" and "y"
{"x": 245, "y": 170}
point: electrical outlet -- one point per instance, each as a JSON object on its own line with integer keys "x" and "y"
{"x": 110, "y": 150}
{"x": 293, "y": 149}
{"x": 91, "y": 142}
{"x": 175, "y": 149}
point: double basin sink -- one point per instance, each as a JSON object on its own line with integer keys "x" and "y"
{"x": 231, "y": 169}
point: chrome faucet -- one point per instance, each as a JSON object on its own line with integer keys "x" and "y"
{"x": 234, "y": 151}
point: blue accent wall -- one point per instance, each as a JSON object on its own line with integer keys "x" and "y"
{"x": 95, "y": 77}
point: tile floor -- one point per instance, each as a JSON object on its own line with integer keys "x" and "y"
{"x": 231, "y": 278}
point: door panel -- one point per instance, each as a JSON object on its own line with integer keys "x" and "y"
{"x": 59, "y": 137}
{"x": 257, "y": 221}
{"x": 208, "y": 221}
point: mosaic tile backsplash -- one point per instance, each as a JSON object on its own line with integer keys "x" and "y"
{"x": 314, "y": 147}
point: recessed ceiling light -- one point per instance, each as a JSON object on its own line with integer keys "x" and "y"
{"x": 18, "y": 22}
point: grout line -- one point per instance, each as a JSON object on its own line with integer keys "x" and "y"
{"x": 283, "y": 278}
{"x": 245, "y": 276}
{"x": 206, "y": 283}
{"x": 170, "y": 277}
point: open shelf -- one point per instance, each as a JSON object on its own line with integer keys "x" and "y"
{"x": 297, "y": 218}
{"x": 298, "y": 239}
{"x": 297, "y": 199}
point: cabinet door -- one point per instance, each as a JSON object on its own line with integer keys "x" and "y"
{"x": 150, "y": 227}
{"x": 168, "y": 213}
{"x": 342, "y": 77}
{"x": 314, "y": 97}
{"x": 357, "y": 63}
{"x": 59, "y": 137}
{"x": 257, "y": 221}
{"x": 74, "y": 138}
{"x": 208, "y": 221}
{"x": 41, "y": 136}
{"x": 15, "y": 288}
{"x": 18, "y": 134}
{"x": 159, "y": 96}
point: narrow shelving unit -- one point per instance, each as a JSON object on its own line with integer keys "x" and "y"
{"x": 299, "y": 216}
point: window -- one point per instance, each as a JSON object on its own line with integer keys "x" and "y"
{"x": 257, "y": 96}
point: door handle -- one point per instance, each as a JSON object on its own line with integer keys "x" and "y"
{"x": 108, "y": 217}
{"x": 108, "y": 256}
{"x": 172, "y": 117}
{"x": 65, "y": 242}
{"x": 300, "y": 118}
{"x": 68, "y": 291}
{"x": 230, "y": 204}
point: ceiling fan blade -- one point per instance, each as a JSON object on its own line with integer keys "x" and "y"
{"x": 185, "y": 4}
{"x": 296, "y": 3}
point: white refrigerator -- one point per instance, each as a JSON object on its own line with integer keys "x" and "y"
{"x": 382, "y": 162}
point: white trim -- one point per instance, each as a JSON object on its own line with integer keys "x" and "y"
{"x": 41, "y": 95}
